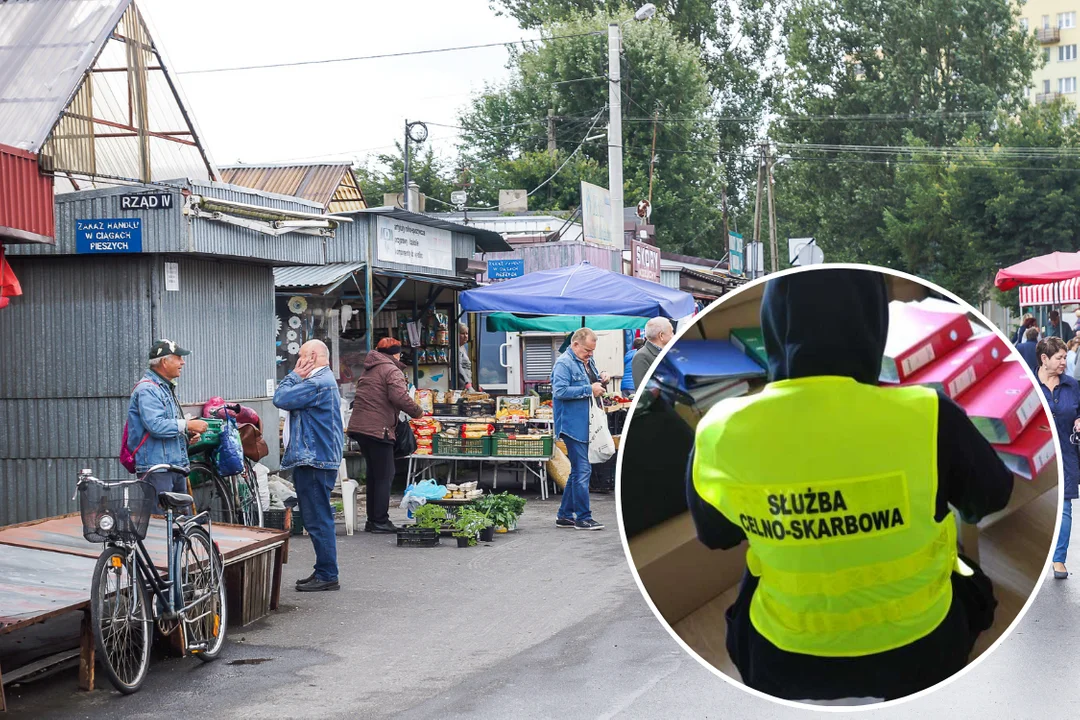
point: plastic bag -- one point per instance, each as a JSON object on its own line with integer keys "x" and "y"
{"x": 427, "y": 489}
{"x": 601, "y": 444}
{"x": 262, "y": 475}
{"x": 229, "y": 456}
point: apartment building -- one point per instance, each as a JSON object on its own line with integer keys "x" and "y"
{"x": 1054, "y": 24}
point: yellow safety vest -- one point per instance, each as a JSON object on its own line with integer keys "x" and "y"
{"x": 835, "y": 484}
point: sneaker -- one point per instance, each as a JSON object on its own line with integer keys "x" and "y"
{"x": 588, "y": 525}
{"x": 564, "y": 523}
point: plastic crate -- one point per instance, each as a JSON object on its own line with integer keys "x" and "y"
{"x": 446, "y": 410}
{"x": 276, "y": 519}
{"x": 603, "y": 477}
{"x": 476, "y": 447}
{"x": 417, "y": 537}
{"x": 127, "y": 504}
{"x": 511, "y": 428}
{"x": 478, "y": 409}
{"x": 616, "y": 420}
{"x": 521, "y": 446}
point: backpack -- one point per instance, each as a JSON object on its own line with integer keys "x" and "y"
{"x": 127, "y": 457}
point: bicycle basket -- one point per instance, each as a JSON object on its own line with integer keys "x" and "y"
{"x": 117, "y": 511}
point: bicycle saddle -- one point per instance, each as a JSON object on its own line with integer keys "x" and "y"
{"x": 176, "y": 501}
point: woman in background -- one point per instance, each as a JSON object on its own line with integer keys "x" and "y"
{"x": 1062, "y": 393}
{"x": 381, "y": 394}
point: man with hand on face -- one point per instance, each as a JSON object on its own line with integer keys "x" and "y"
{"x": 575, "y": 382}
{"x": 157, "y": 430}
{"x": 316, "y": 444}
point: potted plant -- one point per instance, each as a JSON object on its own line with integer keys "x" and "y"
{"x": 425, "y": 533}
{"x": 468, "y": 524}
{"x": 504, "y": 510}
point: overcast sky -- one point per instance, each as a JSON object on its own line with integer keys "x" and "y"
{"x": 332, "y": 111}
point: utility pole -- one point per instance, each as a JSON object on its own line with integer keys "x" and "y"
{"x": 772, "y": 213}
{"x": 757, "y": 208}
{"x": 723, "y": 206}
{"x": 551, "y": 134}
{"x": 615, "y": 150}
{"x": 652, "y": 157}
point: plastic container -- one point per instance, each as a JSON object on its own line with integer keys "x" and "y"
{"x": 475, "y": 447}
{"x": 504, "y": 446}
{"x": 417, "y": 537}
{"x": 484, "y": 408}
{"x": 603, "y": 477}
{"x": 446, "y": 410}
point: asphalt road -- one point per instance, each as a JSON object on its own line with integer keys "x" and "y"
{"x": 540, "y": 623}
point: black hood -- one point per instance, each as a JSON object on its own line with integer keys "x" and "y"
{"x": 826, "y": 322}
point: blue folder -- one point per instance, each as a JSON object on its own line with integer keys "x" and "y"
{"x": 693, "y": 363}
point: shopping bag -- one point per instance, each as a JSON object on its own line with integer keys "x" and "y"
{"x": 404, "y": 440}
{"x": 601, "y": 444}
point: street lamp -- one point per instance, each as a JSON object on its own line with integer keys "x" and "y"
{"x": 418, "y": 133}
{"x": 645, "y": 12}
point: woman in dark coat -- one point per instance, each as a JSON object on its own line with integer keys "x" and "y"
{"x": 381, "y": 394}
{"x": 1063, "y": 395}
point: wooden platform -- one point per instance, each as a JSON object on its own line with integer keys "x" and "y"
{"x": 46, "y": 568}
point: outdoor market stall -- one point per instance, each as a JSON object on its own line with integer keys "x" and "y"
{"x": 576, "y": 293}
{"x": 1047, "y": 280}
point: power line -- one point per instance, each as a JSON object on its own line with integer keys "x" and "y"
{"x": 385, "y": 55}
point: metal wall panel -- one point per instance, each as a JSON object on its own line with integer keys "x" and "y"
{"x": 26, "y": 198}
{"x": 670, "y": 278}
{"x": 216, "y": 238}
{"x": 349, "y": 243}
{"x": 61, "y": 428}
{"x": 80, "y": 329}
{"x": 548, "y": 256}
{"x": 235, "y": 193}
{"x": 33, "y": 489}
{"x": 162, "y": 230}
{"x": 464, "y": 246}
{"x": 224, "y": 314}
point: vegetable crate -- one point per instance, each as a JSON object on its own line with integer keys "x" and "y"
{"x": 484, "y": 408}
{"x": 476, "y": 447}
{"x": 505, "y": 446}
{"x": 602, "y": 479}
{"x": 209, "y": 439}
{"x": 411, "y": 536}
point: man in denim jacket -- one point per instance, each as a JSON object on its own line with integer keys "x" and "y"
{"x": 574, "y": 384}
{"x": 157, "y": 430}
{"x": 316, "y": 443}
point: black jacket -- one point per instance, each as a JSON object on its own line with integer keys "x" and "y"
{"x": 971, "y": 477}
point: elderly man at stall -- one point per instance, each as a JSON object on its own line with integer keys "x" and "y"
{"x": 316, "y": 444}
{"x": 658, "y": 333}
{"x": 157, "y": 430}
{"x": 575, "y": 382}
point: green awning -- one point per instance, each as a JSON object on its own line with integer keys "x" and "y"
{"x": 511, "y": 322}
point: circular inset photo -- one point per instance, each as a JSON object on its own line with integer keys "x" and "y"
{"x": 839, "y": 485}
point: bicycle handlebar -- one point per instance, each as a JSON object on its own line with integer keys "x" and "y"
{"x": 165, "y": 466}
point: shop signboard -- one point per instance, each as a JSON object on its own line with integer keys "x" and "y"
{"x": 735, "y": 254}
{"x": 408, "y": 243}
{"x": 108, "y": 235}
{"x": 505, "y": 269}
{"x": 146, "y": 201}
{"x": 596, "y": 214}
{"x": 645, "y": 261}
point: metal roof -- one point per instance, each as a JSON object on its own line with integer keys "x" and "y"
{"x": 297, "y": 276}
{"x": 328, "y": 184}
{"x": 486, "y": 240}
{"x": 45, "y": 47}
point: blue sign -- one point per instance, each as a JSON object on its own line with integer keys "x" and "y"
{"x": 505, "y": 269}
{"x": 116, "y": 235}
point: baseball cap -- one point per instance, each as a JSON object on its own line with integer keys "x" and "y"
{"x": 166, "y": 347}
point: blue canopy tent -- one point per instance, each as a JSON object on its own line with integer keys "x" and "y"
{"x": 580, "y": 290}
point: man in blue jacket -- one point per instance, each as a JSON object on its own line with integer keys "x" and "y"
{"x": 157, "y": 430}
{"x": 316, "y": 443}
{"x": 575, "y": 383}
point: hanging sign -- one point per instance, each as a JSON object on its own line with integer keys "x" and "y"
{"x": 645, "y": 261}
{"x": 596, "y": 214}
{"x": 505, "y": 269}
{"x": 115, "y": 235}
{"x": 147, "y": 201}
{"x": 407, "y": 243}
{"x": 735, "y": 254}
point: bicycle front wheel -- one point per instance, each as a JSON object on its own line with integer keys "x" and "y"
{"x": 202, "y": 583}
{"x": 121, "y": 620}
{"x": 247, "y": 506}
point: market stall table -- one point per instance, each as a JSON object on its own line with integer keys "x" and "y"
{"x": 418, "y": 471}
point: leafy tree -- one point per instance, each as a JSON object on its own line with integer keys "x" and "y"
{"x": 892, "y": 73}
{"x": 506, "y": 127}
{"x": 385, "y": 174}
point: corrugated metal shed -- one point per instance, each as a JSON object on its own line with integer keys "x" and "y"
{"x": 510, "y": 226}
{"x": 670, "y": 278}
{"x": 45, "y": 47}
{"x": 313, "y": 276}
{"x": 486, "y": 240}
{"x": 26, "y": 199}
{"x": 331, "y": 185}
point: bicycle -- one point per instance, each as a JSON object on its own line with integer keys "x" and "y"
{"x": 190, "y": 597}
{"x": 229, "y": 498}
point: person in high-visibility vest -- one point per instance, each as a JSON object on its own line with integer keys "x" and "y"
{"x": 854, "y": 587}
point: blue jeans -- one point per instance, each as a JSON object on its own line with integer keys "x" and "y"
{"x": 1062, "y": 548}
{"x": 167, "y": 481}
{"x": 313, "y": 488}
{"x": 575, "y": 500}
